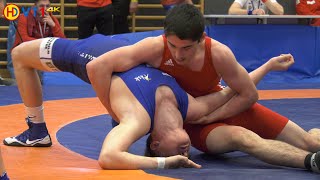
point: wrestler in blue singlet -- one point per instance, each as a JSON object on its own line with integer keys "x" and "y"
{"x": 143, "y": 82}
{"x": 73, "y": 55}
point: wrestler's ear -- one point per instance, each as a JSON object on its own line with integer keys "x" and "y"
{"x": 154, "y": 145}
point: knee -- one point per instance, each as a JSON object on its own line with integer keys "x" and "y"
{"x": 313, "y": 131}
{"x": 16, "y": 54}
{"x": 244, "y": 139}
{"x": 310, "y": 143}
{"x": 164, "y": 94}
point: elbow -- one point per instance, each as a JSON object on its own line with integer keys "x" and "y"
{"x": 253, "y": 97}
{"x": 106, "y": 161}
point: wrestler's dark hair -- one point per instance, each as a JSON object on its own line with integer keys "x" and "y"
{"x": 185, "y": 21}
{"x": 148, "y": 151}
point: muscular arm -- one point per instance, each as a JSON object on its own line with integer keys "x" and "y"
{"x": 274, "y": 7}
{"x": 122, "y": 59}
{"x": 202, "y": 109}
{"x": 114, "y": 153}
{"x": 201, "y": 106}
{"x": 237, "y": 78}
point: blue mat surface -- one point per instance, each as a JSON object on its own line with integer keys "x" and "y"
{"x": 88, "y": 141}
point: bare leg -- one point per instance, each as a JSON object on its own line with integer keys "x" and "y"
{"x": 230, "y": 138}
{"x": 315, "y": 132}
{"x": 296, "y": 136}
{"x": 26, "y": 61}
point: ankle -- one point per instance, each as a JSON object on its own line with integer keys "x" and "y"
{"x": 312, "y": 162}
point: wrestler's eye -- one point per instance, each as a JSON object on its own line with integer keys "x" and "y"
{"x": 172, "y": 46}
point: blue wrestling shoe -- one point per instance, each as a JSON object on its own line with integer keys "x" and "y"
{"x": 36, "y": 136}
{"x": 4, "y": 176}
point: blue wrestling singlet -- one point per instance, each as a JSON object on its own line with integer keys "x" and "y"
{"x": 73, "y": 55}
{"x": 143, "y": 82}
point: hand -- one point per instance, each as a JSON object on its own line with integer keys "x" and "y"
{"x": 281, "y": 63}
{"x": 258, "y": 12}
{"x": 47, "y": 19}
{"x": 178, "y": 161}
{"x": 133, "y": 7}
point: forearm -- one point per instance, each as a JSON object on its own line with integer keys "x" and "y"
{"x": 125, "y": 160}
{"x": 213, "y": 101}
{"x": 275, "y": 8}
{"x": 234, "y": 106}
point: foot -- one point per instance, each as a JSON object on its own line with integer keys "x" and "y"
{"x": 36, "y": 136}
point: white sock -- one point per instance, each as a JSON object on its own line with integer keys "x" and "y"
{"x": 35, "y": 114}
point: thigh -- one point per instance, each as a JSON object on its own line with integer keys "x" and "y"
{"x": 261, "y": 120}
{"x": 214, "y": 138}
{"x": 198, "y": 134}
{"x": 27, "y": 55}
{"x": 222, "y": 139}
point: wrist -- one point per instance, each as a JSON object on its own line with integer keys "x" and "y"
{"x": 161, "y": 162}
{"x": 267, "y": 67}
{"x": 249, "y": 12}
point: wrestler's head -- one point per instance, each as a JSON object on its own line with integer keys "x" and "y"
{"x": 163, "y": 145}
{"x": 184, "y": 29}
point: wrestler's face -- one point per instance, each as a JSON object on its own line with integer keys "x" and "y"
{"x": 182, "y": 51}
{"x": 177, "y": 143}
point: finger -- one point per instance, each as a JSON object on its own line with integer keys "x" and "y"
{"x": 192, "y": 164}
{"x": 290, "y": 63}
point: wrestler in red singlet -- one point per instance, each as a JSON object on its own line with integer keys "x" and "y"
{"x": 258, "y": 118}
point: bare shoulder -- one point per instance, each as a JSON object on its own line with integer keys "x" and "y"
{"x": 151, "y": 48}
{"x": 220, "y": 52}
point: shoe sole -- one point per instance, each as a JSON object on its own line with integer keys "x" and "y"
{"x": 16, "y": 144}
